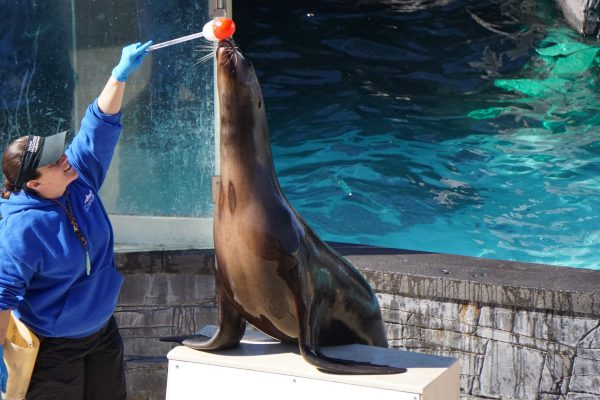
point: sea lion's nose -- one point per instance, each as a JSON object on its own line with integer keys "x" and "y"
{"x": 228, "y": 42}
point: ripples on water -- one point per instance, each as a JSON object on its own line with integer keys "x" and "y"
{"x": 391, "y": 126}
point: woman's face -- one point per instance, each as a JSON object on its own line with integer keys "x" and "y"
{"x": 55, "y": 177}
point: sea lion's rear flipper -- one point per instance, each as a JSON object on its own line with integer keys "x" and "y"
{"x": 310, "y": 323}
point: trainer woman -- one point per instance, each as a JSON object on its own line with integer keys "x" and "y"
{"x": 57, "y": 270}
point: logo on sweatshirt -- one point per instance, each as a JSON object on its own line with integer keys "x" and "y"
{"x": 89, "y": 199}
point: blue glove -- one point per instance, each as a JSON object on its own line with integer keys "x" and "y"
{"x": 3, "y": 371}
{"x": 131, "y": 59}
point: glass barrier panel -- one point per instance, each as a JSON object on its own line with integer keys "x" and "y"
{"x": 56, "y": 60}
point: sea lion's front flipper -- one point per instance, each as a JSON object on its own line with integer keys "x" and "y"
{"x": 181, "y": 338}
{"x": 230, "y": 328}
{"x": 310, "y": 323}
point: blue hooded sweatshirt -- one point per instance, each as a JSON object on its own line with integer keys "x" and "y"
{"x": 43, "y": 273}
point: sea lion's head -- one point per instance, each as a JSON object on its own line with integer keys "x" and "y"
{"x": 233, "y": 66}
{"x": 242, "y": 115}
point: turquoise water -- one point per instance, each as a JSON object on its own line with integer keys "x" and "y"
{"x": 443, "y": 126}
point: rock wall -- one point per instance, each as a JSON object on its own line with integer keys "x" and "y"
{"x": 504, "y": 353}
{"x": 521, "y": 331}
{"x": 164, "y": 294}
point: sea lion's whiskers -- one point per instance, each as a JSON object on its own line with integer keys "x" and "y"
{"x": 206, "y": 57}
{"x": 205, "y": 47}
{"x": 230, "y": 54}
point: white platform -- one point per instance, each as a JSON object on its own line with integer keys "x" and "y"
{"x": 262, "y": 369}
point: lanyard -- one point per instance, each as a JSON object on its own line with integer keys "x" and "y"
{"x": 84, "y": 243}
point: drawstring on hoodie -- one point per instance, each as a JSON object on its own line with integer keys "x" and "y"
{"x": 77, "y": 231}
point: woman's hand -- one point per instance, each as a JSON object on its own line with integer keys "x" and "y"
{"x": 131, "y": 59}
{"x": 111, "y": 98}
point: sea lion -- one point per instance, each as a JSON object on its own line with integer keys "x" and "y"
{"x": 272, "y": 270}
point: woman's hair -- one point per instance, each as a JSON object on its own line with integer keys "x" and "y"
{"x": 11, "y": 164}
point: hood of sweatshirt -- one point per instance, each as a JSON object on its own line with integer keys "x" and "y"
{"x": 20, "y": 201}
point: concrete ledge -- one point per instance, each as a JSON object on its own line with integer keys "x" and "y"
{"x": 165, "y": 261}
{"x": 432, "y": 275}
{"x": 469, "y": 279}
{"x": 153, "y": 231}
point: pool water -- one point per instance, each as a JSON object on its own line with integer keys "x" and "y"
{"x": 462, "y": 127}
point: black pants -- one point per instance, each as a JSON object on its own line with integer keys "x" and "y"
{"x": 88, "y": 368}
